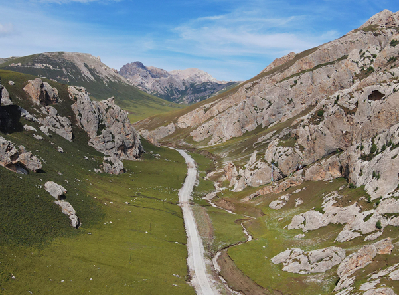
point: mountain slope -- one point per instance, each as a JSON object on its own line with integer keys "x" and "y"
{"x": 102, "y": 82}
{"x": 181, "y": 86}
{"x": 50, "y": 156}
{"x": 308, "y": 149}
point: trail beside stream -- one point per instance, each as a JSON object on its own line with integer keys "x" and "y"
{"x": 201, "y": 281}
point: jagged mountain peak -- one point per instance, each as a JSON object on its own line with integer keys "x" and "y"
{"x": 183, "y": 86}
{"x": 383, "y": 19}
{"x": 195, "y": 75}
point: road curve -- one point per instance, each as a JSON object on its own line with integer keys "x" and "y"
{"x": 201, "y": 281}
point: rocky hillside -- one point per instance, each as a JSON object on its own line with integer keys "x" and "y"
{"x": 327, "y": 113}
{"x": 182, "y": 86}
{"x": 101, "y": 81}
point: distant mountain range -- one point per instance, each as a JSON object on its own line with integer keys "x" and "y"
{"x": 180, "y": 86}
{"x": 101, "y": 81}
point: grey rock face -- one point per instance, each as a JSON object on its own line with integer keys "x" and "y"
{"x": 18, "y": 160}
{"x": 107, "y": 125}
{"x": 41, "y": 93}
{"x": 4, "y": 96}
{"x": 187, "y": 86}
{"x": 113, "y": 165}
{"x": 56, "y": 123}
{"x": 297, "y": 261}
{"x": 157, "y": 134}
{"x": 54, "y": 189}
{"x": 359, "y": 260}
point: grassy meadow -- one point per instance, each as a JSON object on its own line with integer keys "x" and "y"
{"x": 132, "y": 241}
{"x": 132, "y": 238}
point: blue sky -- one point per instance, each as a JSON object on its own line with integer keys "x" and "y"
{"x": 232, "y": 40}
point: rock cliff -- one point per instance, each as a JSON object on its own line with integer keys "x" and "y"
{"x": 107, "y": 125}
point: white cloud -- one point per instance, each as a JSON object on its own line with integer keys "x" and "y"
{"x": 245, "y": 33}
{"x": 6, "y": 29}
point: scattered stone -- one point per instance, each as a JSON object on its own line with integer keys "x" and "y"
{"x": 280, "y": 203}
{"x": 25, "y": 114}
{"x": 29, "y": 128}
{"x": 17, "y": 160}
{"x": 38, "y": 137}
{"x": 380, "y": 291}
{"x": 60, "y": 149}
{"x": 12, "y": 83}
{"x": 298, "y": 202}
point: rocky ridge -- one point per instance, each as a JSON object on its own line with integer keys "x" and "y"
{"x": 182, "y": 86}
{"x": 326, "y": 113}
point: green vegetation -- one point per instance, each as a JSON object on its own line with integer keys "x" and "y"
{"x": 132, "y": 238}
{"x": 139, "y": 104}
{"x": 271, "y": 236}
{"x": 394, "y": 42}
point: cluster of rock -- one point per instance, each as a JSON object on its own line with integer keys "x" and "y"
{"x": 359, "y": 260}
{"x": 17, "y": 159}
{"x": 107, "y": 125}
{"x": 319, "y": 261}
{"x": 113, "y": 165}
{"x": 341, "y": 97}
{"x": 58, "y": 192}
{"x": 183, "y": 86}
{"x": 56, "y": 123}
{"x": 297, "y": 261}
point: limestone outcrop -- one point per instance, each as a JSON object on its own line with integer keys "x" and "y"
{"x": 58, "y": 192}
{"x": 297, "y": 261}
{"x": 113, "y": 165}
{"x": 359, "y": 260}
{"x": 157, "y": 134}
{"x": 17, "y": 159}
{"x": 56, "y": 123}
{"x": 4, "y": 96}
{"x": 41, "y": 93}
{"x": 107, "y": 125}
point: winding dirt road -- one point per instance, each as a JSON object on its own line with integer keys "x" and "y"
{"x": 201, "y": 281}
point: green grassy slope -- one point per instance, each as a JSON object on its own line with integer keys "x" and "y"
{"x": 132, "y": 237}
{"x": 139, "y": 104}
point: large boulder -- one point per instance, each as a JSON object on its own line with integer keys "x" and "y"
{"x": 41, "y": 93}
{"x": 17, "y": 159}
{"x": 54, "y": 189}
